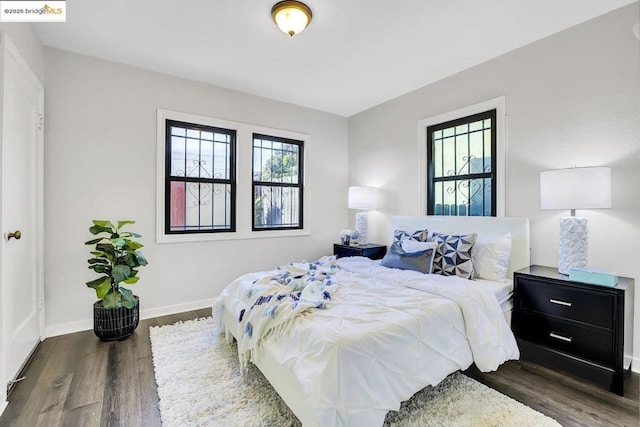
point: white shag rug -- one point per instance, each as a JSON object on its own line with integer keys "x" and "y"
{"x": 199, "y": 384}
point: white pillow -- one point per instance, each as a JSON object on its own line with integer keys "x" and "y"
{"x": 410, "y": 246}
{"x": 490, "y": 257}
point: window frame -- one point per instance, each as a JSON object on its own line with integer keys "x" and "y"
{"x": 499, "y": 104}
{"x": 244, "y": 132}
{"x": 169, "y": 178}
{"x": 431, "y": 179}
{"x": 299, "y": 185}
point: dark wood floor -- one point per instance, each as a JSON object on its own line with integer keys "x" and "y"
{"x": 568, "y": 400}
{"x": 76, "y": 380}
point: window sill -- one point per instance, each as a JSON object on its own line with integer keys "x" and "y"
{"x": 212, "y": 237}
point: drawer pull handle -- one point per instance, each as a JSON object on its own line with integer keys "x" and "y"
{"x": 557, "y": 301}
{"x": 560, "y": 337}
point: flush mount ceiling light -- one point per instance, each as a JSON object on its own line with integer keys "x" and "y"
{"x": 291, "y": 16}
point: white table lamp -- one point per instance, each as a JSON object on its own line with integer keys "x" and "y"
{"x": 363, "y": 198}
{"x": 575, "y": 188}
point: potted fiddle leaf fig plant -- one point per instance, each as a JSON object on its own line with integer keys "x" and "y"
{"x": 117, "y": 259}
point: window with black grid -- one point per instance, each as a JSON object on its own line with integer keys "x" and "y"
{"x": 461, "y": 162}
{"x": 199, "y": 178}
{"x": 277, "y": 183}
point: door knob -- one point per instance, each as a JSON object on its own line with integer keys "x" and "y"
{"x": 15, "y": 234}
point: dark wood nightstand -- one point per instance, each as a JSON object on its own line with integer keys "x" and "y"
{"x": 572, "y": 326}
{"x": 370, "y": 250}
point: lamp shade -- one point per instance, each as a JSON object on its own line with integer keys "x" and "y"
{"x": 363, "y": 198}
{"x": 576, "y": 188}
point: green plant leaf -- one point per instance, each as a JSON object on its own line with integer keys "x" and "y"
{"x": 102, "y": 286}
{"x": 105, "y": 246}
{"x": 131, "y": 259}
{"x": 103, "y": 223}
{"x": 123, "y": 223}
{"x": 95, "y": 283}
{"x": 112, "y": 299}
{"x": 97, "y": 229}
{"x": 133, "y": 245}
{"x": 100, "y": 268}
{"x": 115, "y": 258}
{"x": 118, "y": 242}
{"x": 131, "y": 280}
{"x": 128, "y": 300}
{"x": 120, "y": 273}
{"x": 127, "y": 259}
{"x": 93, "y": 242}
{"x": 142, "y": 261}
{"x": 101, "y": 254}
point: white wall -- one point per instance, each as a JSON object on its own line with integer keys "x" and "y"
{"x": 572, "y": 99}
{"x": 26, "y": 39}
{"x": 100, "y": 163}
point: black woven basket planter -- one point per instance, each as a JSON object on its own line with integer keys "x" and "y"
{"x": 110, "y": 324}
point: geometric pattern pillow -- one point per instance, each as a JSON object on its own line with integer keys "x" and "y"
{"x": 453, "y": 256}
{"x": 401, "y": 234}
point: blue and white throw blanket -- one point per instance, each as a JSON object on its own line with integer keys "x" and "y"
{"x": 274, "y": 300}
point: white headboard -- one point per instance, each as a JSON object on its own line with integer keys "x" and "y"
{"x": 518, "y": 227}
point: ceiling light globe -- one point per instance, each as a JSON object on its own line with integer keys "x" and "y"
{"x": 292, "y": 17}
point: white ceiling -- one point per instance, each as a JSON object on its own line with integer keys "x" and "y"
{"x": 354, "y": 55}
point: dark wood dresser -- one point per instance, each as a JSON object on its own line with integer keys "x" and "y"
{"x": 572, "y": 326}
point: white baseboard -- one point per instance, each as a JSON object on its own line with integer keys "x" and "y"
{"x": 87, "y": 324}
{"x": 68, "y": 328}
{"x": 635, "y": 365}
{"x": 173, "y": 309}
{"x": 3, "y": 405}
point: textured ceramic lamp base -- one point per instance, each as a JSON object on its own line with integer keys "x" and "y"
{"x": 362, "y": 228}
{"x": 573, "y": 243}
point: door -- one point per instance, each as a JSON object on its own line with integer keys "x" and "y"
{"x": 21, "y": 210}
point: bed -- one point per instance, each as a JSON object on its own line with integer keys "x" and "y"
{"x": 385, "y": 333}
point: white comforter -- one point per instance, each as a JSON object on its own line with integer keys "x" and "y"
{"x": 385, "y": 335}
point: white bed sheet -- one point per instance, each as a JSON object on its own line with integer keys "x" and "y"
{"x": 503, "y": 292}
{"x": 381, "y": 341}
